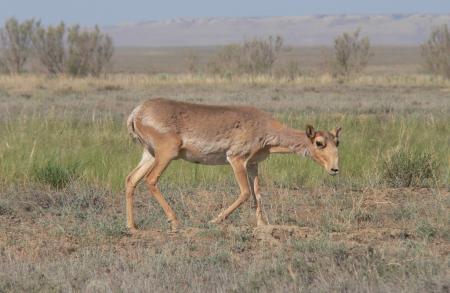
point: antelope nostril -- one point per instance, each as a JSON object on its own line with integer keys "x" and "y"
{"x": 335, "y": 170}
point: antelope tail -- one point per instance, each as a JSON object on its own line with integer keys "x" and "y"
{"x": 132, "y": 131}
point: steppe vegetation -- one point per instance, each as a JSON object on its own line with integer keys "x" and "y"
{"x": 382, "y": 225}
{"x": 435, "y": 51}
{"x": 53, "y": 50}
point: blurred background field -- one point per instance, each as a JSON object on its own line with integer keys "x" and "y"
{"x": 386, "y": 59}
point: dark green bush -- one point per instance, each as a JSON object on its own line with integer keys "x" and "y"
{"x": 55, "y": 174}
{"x": 406, "y": 168}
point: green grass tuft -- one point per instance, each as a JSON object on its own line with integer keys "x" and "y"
{"x": 406, "y": 168}
{"x": 55, "y": 174}
{"x": 426, "y": 230}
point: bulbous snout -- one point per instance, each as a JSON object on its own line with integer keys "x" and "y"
{"x": 333, "y": 168}
{"x": 329, "y": 163}
{"x": 333, "y": 171}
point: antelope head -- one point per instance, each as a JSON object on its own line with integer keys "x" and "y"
{"x": 324, "y": 148}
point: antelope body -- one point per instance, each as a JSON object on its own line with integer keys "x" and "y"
{"x": 217, "y": 135}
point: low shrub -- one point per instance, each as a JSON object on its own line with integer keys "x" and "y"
{"x": 425, "y": 230}
{"x": 350, "y": 55}
{"x": 407, "y": 168}
{"x": 255, "y": 56}
{"x": 436, "y": 52}
{"x": 112, "y": 227}
{"x": 55, "y": 174}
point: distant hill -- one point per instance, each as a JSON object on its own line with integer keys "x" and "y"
{"x": 400, "y": 29}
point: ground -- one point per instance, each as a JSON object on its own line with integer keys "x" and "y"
{"x": 319, "y": 240}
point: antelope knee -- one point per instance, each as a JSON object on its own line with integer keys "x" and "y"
{"x": 245, "y": 195}
{"x": 130, "y": 183}
{"x": 151, "y": 183}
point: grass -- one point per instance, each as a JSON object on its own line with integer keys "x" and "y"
{"x": 54, "y": 150}
{"x": 64, "y": 154}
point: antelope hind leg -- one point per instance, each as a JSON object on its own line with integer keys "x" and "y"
{"x": 240, "y": 172}
{"x": 131, "y": 182}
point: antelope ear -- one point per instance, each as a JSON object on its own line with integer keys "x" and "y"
{"x": 336, "y": 131}
{"x": 310, "y": 132}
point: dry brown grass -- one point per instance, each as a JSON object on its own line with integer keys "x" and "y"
{"x": 390, "y": 240}
{"x": 63, "y": 85}
{"x": 117, "y": 94}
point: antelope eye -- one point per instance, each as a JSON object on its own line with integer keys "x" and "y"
{"x": 320, "y": 144}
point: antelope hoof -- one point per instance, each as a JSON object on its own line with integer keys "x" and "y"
{"x": 262, "y": 221}
{"x": 215, "y": 221}
{"x": 175, "y": 226}
{"x": 133, "y": 230}
{"x": 173, "y": 231}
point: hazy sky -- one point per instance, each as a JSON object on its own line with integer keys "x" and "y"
{"x": 105, "y": 12}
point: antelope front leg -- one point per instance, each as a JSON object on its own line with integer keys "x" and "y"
{"x": 261, "y": 218}
{"x": 240, "y": 172}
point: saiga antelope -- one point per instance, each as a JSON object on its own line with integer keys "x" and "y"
{"x": 217, "y": 135}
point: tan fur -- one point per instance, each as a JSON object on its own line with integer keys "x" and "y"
{"x": 216, "y": 135}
